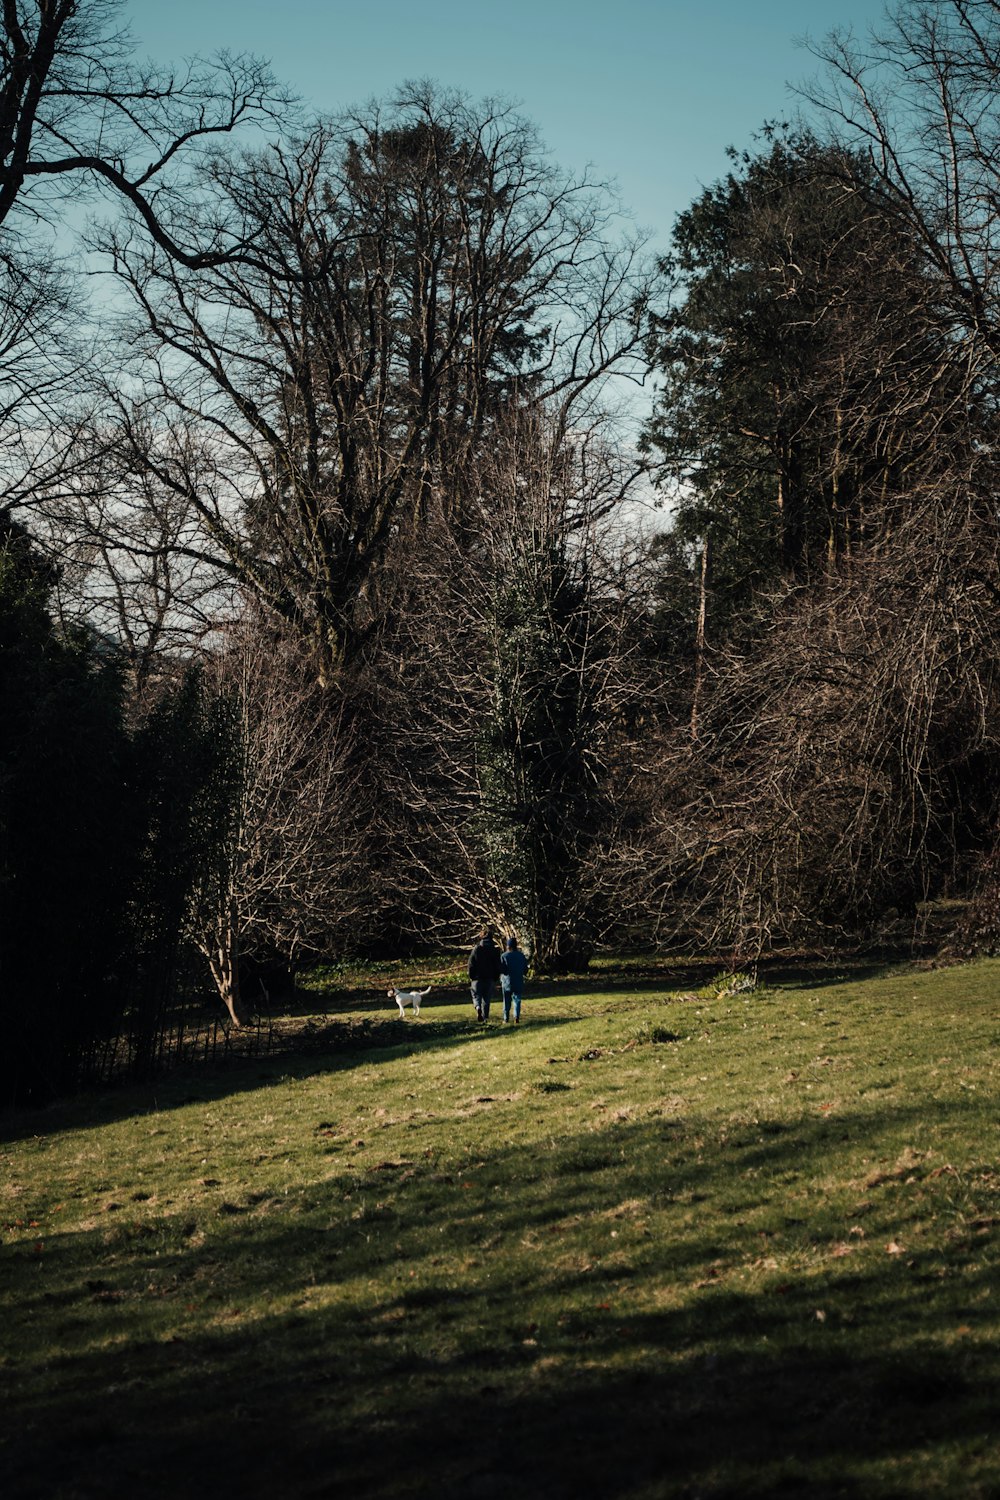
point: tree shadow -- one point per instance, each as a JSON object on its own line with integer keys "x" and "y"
{"x": 827, "y": 976}
{"x": 482, "y": 1382}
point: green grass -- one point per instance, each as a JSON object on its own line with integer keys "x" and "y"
{"x": 646, "y": 1244}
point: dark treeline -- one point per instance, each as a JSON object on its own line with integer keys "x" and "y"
{"x": 395, "y": 545}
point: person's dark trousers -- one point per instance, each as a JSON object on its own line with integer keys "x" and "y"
{"x": 482, "y": 991}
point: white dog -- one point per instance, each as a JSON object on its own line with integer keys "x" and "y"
{"x": 403, "y": 998}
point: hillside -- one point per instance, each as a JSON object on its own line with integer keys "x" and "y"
{"x": 653, "y": 1242}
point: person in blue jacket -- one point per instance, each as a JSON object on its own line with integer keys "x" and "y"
{"x": 513, "y": 967}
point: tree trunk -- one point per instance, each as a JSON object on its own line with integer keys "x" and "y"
{"x": 224, "y": 962}
{"x": 699, "y": 641}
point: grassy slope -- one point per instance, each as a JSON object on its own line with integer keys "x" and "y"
{"x": 574, "y": 1258}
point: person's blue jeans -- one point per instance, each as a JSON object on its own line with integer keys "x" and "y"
{"x": 482, "y": 991}
{"x": 511, "y": 998}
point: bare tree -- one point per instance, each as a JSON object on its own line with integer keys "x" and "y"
{"x": 83, "y": 123}
{"x": 502, "y": 736}
{"x": 419, "y": 268}
{"x": 287, "y": 809}
{"x": 846, "y": 764}
{"x": 76, "y": 108}
{"x": 123, "y": 548}
{"x": 920, "y": 96}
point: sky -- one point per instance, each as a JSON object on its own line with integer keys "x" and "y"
{"x": 649, "y": 93}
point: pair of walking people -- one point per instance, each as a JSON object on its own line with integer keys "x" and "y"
{"x": 487, "y": 965}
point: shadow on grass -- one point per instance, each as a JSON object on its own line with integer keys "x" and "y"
{"x": 238, "y": 1415}
{"x": 822, "y": 977}
{"x": 487, "y": 1378}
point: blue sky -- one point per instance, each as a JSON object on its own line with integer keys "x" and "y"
{"x": 650, "y": 92}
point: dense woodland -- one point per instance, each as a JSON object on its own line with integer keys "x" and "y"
{"x": 392, "y": 544}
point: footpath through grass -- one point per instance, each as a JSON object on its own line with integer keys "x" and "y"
{"x": 650, "y": 1243}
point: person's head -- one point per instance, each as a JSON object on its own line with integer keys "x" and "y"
{"x": 512, "y": 942}
{"x": 486, "y": 936}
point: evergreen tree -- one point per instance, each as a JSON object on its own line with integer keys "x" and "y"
{"x": 538, "y": 785}
{"x": 808, "y": 386}
{"x": 104, "y": 830}
{"x": 66, "y": 851}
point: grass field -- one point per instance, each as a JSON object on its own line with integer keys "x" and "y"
{"x": 653, "y": 1242}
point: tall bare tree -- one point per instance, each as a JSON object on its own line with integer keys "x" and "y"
{"x": 919, "y": 96}
{"x": 283, "y": 815}
{"x": 84, "y": 124}
{"x": 506, "y": 689}
{"x": 418, "y": 269}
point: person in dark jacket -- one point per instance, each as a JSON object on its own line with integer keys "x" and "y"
{"x": 484, "y": 971}
{"x": 513, "y": 967}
